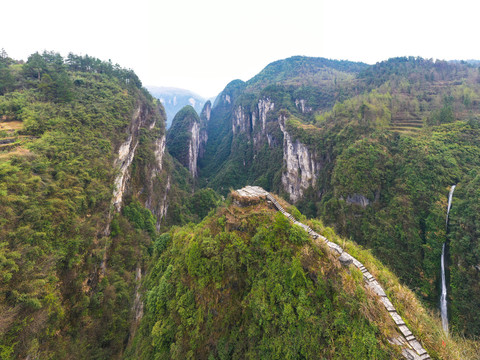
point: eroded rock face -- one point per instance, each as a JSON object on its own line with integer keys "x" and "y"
{"x": 240, "y": 121}
{"x": 301, "y": 105}
{"x": 126, "y": 151}
{"x": 204, "y": 120}
{"x": 264, "y": 106}
{"x": 206, "y": 112}
{"x": 153, "y": 189}
{"x": 301, "y": 167}
{"x": 185, "y": 137}
{"x": 358, "y": 199}
{"x": 244, "y": 120}
{"x": 193, "y": 148}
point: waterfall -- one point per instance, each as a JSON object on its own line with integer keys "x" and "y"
{"x": 443, "y": 297}
{"x": 449, "y": 206}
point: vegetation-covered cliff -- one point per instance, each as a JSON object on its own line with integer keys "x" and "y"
{"x": 79, "y": 139}
{"x": 187, "y": 137}
{"x": 174, "y": 99}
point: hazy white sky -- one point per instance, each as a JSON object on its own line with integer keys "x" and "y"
{"x": 201, "y": 45}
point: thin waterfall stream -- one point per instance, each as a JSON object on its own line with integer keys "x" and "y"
{"x": 443, "y": 296}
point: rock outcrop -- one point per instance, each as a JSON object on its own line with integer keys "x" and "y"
{"x": 193, "y": 148}
{"x": 204, "y": 119}
{"x": 142, "y": 117}
{"x": 358, "y": 199}
{"x": 264, "y": 107}
{"x": 300, "y": 163}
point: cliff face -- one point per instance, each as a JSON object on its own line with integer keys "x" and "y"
{"x": 150, "y": 182}
{"x": 81, "y": 232}
{"x": 143, "y": 117}
{"x": 300, "y": 163}
{"x": 261, "y": 146}
{"x": 193, "y": 148}
{"x": 204, "y": 120}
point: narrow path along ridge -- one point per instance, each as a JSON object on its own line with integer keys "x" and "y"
{"x": 411, "y": 347}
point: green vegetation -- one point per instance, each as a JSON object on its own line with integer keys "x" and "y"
{"x": 465, "y": 254}
{"x": 245, "y": 283}
{"x": 388, "y": 141}
{"x": 56, "y": 185}
{"x": 301, "y": 70}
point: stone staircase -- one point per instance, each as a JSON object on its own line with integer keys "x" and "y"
{"x": 411, "y": 347}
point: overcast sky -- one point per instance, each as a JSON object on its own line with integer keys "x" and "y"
{"x": 201, "y": 45}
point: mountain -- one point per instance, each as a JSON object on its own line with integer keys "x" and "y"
{"x": 373, "y": 151}
{"x": 174, "y": 99}
{"x": 187, "y": 136}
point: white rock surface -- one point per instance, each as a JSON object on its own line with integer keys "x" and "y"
{"x": 301, "y": 169}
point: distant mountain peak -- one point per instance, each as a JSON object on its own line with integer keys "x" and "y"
{"x": 174, "y": 99}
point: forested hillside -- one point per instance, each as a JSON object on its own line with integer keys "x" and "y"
{"x": 68, "y": 257}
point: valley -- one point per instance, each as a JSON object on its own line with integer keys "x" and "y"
{"x": 120, "y": 239}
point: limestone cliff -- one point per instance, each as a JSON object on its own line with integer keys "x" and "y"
{"x": 204, "y": 119}
{"x": 250, "y": 142}
{"x": 300, "y": 163}
{"x": 142, "y": 117}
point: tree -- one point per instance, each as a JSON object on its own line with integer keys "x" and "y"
{"x": 6, "y": 78}
{"x": 35, "y": 66}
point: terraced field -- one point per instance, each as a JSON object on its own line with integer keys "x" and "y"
{"x": 406, "y": 123}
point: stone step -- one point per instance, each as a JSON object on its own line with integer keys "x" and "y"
{"x": 387, "y": 303}
{"x": 357, "y": 263}
{"x": 410, "y": 354}
{"x": 335, "y": 247}
{"x": 415, "y": 344}
{"x": 377, "y": 289}
{"x": 405, "y": 330}
{"x": 397, "y": 318}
